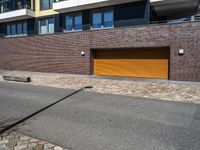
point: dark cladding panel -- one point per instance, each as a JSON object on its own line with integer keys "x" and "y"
{"x": 86, "y": 20}
{"x": 32, "y": 26}
{"x": 58, "y": 23}
{"x": 131, "y": 14}
{"x": 2, "y": 30}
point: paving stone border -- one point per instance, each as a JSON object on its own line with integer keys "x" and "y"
{"x": 18, "y": 141}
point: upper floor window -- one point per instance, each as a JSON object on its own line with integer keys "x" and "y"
{"x": 46, "y": 25}
{"x": 16, "y": 29}
{"x": 46, "y": 4}
{"x": 73, "y": 22}
{"x": 102, "y": 19}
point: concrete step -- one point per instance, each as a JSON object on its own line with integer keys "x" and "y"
{"x": 16, "y": 78}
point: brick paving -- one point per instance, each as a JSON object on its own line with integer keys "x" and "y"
{"x": 18, "y": 141}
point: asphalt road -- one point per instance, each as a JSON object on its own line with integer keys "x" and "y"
{"x": 92, "y": 121}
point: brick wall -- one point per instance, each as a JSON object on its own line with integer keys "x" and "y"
{"x": 61, "y": 53}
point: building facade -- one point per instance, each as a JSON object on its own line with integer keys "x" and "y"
{"x": 131, "y": 38}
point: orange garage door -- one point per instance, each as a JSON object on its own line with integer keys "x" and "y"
{"x": 142, "y": 62}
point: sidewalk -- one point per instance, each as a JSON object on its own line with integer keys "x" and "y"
{"x": 18, "y": 141}
{"x": 188, "y": 92}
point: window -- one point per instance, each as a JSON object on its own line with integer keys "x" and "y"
{"x": 51, "y": 25}
{"x": 73, "y": 22}
{"x": 8, "y": 30}
{"x": 25, "y": 28}
{"x": 43, "y": 26}
{"x": 13, "y": 29}
{"x": 46, "y": 25}
{"x": 102, "y": 19}
{"x": 46, "y": 4}
{"x": 97, "y": 20}
{"x": 108, "y": 19}
{"x": 69, "y": 23}
{"x": 17, "y": 29}
{"x": 78, "y": 22}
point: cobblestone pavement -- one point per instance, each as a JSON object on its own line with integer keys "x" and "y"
{"x": 18, "y": 141}
{"x": 158, "y": 89}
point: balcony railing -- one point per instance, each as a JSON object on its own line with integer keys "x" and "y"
{"x": 181, "y": 20}
{"x": 12, "y": 5}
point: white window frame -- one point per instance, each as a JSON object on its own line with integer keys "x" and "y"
{"x": 47, "y": 25}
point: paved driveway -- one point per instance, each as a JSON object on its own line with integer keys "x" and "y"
{"x": 92, "y": 121}
{"x": 17, "y": 101}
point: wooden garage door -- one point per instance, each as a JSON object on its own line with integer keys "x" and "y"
{"x": 146, "y": 63}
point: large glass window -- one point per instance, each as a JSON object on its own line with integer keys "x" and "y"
{"x": 51, "y": 3}
{"x": 73, "y": 22}
{"x": 46, "y": 4}
{"x": 46, "y": 25}
{"x": 43, "y": 26}
{"x": 13, "y": 29}
{"x": 108, "y": 19}
{"x": 24, "y": 28}
{"x": 8, "y": 30}
{"x": 97, "y": 19}
{"x": 78, "y": 22}
{"x": 69, "y": 23}
{"x": 102, "y": 19}
{"x": 17, "y": 29}
{"x": 51, "y": 25}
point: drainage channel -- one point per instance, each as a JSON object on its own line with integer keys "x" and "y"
{"x": 41, "y": 110}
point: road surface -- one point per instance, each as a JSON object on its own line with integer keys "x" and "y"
{"x": 93, "y": 121}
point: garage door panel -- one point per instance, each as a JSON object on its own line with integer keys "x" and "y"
{"x": 112, "y": 63}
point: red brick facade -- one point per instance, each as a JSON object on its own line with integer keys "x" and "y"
{"x": 61, "y": 52}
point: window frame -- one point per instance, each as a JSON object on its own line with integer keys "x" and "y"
{"x": 8, "y": 26}
{"x": 101, "y": 20}
{"x": 102, "y": 11}
{"x": 21, "y": 26}
{"x": 47, "y": 25}
{"x": 15, "y": 25}
{"x": 45, "y": 20}
{"x": 50, "y": 6}
{"x": 73, "y": 15}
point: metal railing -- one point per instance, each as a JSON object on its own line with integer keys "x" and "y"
{"x": 180, "y": 20}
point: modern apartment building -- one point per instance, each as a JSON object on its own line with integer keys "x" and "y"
{"x": 131, "y": 38}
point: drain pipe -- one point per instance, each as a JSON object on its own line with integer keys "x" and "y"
{"x": 41, "y": 110}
